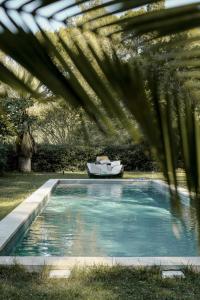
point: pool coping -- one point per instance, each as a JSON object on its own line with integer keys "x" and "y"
{"x": 36, "y": 201}
{"x": 37, "y": 263}
{"x": 19, "y": 215}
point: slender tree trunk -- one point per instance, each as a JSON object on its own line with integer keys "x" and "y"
{"x": 24, "y": 164}
{"x": 25, "y": 146}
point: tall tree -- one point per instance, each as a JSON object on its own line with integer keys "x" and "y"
{"x": 57, "y": 124}
{"x": 18, "y": 120}
{"x": 16, "y": 110}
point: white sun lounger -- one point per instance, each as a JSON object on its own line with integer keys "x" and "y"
{"x": 105, "y": 168}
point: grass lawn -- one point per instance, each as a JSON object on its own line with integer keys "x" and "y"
{"x": 15, "y": 187}
{"x": 85, "y": 284}
{"x": 98, "y": 283}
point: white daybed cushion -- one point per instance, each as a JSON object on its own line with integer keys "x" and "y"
{"x": 93, "y": 168}
{"x": 104, "y": 162}
{"x": 115, "y": 163}
{"x": 104, "y": 169}
{"x": 116, "y": 170}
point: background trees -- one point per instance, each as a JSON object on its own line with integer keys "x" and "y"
{"x": 57, "y": 124}
{"x": 19, "y": 122}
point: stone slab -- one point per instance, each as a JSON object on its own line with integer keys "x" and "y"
{"x": 36, "y": 263}
{"x": 172, "y": 274}
{"x": 58, "y": 274}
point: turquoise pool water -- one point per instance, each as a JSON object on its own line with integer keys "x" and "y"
{"x": 108, "y": 219}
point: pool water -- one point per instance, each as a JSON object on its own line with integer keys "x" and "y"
{"x": 108, "y": 219}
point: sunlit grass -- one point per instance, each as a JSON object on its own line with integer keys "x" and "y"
{"x": 98, "y": 283}
{"x": 15, "y": 187}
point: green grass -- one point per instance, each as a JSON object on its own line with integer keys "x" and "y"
{"x": 98, "y": 283}
{"x": 15, "y": 187}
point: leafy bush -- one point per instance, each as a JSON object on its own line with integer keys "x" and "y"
{"x": 62, "y": 157}
{"x": 3, "y": 157}
{"x": 53, "y": 158}
{"x": 8, "y": 158}
{"x": 133, "y": 157}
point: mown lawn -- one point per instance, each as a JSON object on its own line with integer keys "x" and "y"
{"x": 15, "y": 187}
{"x": 97, "y": 283}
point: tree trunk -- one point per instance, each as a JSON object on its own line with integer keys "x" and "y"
{"x": 24, "y": 164}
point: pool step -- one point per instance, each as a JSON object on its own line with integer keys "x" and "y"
{"x": 59, "y": 274}
{"x": 172, "y": 274}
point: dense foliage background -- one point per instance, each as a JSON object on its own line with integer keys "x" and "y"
{"x": 52, "y": 158}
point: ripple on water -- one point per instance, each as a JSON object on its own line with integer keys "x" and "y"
{"x": 110, "y": 219}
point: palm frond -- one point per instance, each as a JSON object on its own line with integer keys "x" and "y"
{"x": 111, "y": 87}
{"x": 163, "y": 22}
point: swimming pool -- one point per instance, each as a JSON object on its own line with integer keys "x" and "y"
{"x": 108, "y": 218}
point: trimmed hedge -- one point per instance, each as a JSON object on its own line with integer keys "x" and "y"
{"x": 8, "y": 158}
{"x": 60, "y": 157}
{"x": 53, "y": 158}
{"x": 3, "y": 157}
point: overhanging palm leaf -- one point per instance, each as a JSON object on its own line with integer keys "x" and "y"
{"x": 122, "y": 92}
{"x": 163, "y": 22}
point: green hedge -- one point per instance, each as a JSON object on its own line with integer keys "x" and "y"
{"x": 3, "y": 157}
{"x": 56, "y": 158}
{"x": 53, "y": 158}
{"x": 8, "y": 158}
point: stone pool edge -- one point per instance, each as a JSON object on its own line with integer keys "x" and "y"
{"x": 36, "y": 201}
{"x": 36, "y": 263}
{"x": 24, "y": 212}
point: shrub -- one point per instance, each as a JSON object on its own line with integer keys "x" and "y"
{"x": 8, "y": 158}
{"x": 3, "y": 157}
{"x": 53, "y": 158}
{"x": 62, "y": 157}
{"x": 133, "y": 157}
